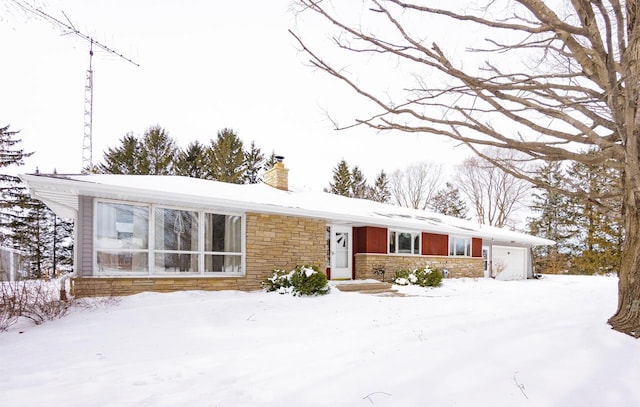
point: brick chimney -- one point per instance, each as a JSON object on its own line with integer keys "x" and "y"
{"x": 278, "y": 176}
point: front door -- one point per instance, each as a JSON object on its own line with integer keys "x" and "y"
{"x": 340, "y": 252}
{"x": 487, "y": 261}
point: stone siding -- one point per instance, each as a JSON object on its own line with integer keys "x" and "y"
{"x": 283, "y": 242}
{"x": 116, "y": 286}
{"x": 272, "y": 241}
{"x": 457, "y": 266}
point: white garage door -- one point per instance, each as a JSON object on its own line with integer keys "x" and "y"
{"x": 509, "y": 263}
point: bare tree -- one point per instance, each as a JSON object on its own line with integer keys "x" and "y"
{"x": 415, "y": 186}
{"x": 493, "y": 193}
{"x": 550, "y": 79}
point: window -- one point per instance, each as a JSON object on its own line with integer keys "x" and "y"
{"x": 459, "y": 246}
{"x": 222, "y": 243}
{"x": 401, "y": 242}
{"x": 122, "y": 237}
{"x": 176, "y": 241}
{"x": 149, "y": 239}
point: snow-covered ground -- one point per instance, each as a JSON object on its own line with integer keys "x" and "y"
{"x": 469, "y": 343}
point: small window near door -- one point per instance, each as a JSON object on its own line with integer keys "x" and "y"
{"x": 401, "y": 242}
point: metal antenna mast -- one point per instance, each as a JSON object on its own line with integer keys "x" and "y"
{"x": 87, "y": 141}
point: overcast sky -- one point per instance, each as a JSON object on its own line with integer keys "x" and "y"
{"x": 203, "y": 66}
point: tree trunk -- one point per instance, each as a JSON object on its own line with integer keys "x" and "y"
{"x": 627, "y": 317}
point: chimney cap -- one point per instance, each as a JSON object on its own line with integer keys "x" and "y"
{"x": 279, "y": 158}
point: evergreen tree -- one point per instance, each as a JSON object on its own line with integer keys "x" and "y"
{"x": 447, "y": 201}
{"x": 62, "y": 244}
{"x": 553, "y": 220}
{"x": 11, "y": 188}
{"x": 271, "y": 161}
{"x": 32, "y": 235}
{"x": 124, "y": 159}
{"x": 155, "y": 154}
{"x": 598, "y": 247}
{"x": 358, "y": 183}
{"x": 159, "y": 152}
{"x": 380, "y": 191}
{"x": 342, "y": 181}
{"x": 254, "y": 164}
{"x": 226, "y": 158}
{"x": 192, "y": 162}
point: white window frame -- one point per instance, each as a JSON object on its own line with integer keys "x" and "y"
{"x": 413, "y": 234}
{"x": 215, "y": 253}
{"x": 95, "y": 249}
{"x": 468, "y": 246}
{"x": 151, "y": 250}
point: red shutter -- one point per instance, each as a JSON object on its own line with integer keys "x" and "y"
{"x": 476, "y": 247}
{"x": 435, "y": 244}
{"x": 369, "y": 239}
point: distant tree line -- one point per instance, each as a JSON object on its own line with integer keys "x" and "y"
{"x": 224, "y": 158}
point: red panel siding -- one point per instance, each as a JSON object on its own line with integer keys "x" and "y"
{"x": 434, "y": 244}
{"x": 476, "y": 247}
{"x": 369, "y": 239}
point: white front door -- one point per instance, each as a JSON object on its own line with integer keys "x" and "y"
{"x": 487, "y": 261}
{"x": 340, "y": 252}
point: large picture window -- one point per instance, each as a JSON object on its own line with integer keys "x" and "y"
{"x": 154, "y": 240}
{"x": 459, "y": 246}
{"x": 401, "y": 242}
{"x": 122, "y": 237}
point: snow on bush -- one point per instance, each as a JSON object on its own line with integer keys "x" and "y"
{"x": 424, "y": 277}
{"x": 303, "y": 280}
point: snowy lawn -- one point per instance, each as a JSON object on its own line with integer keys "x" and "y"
{"x": 469, "y": 343}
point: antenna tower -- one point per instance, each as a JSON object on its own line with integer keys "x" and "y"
{"x": 87, "y": 141}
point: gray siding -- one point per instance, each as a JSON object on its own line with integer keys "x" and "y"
{"x": 85, "y": 236}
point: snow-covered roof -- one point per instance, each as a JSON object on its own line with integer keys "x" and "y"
{"x": 60, "y": 193}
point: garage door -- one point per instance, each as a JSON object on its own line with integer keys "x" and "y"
{"x": 509, "y": 263}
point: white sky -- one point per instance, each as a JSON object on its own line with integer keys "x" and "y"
{"x": 203, "y": 66}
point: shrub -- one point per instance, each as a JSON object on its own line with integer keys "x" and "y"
{"x": 279, "y": 281}
{"x": 303, "y": 280}
{"x": 36, "y": 300}
{"x": 424, "y": 277}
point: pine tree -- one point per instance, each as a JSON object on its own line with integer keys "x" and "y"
{"x": 192, "y": 162}
{"x": 31, "y": 234}
{"x": 598, "y": 246}
{"x": 448, "y": 201}
{"x": 380, "y": 191}
{"x": 159, "y": 152}
{"x": 254, "y": 164}
{"x": 124, "y": 159}
{"x": 552, "y": 220}
{"x": 358, "y": 183}
{"x": 11, "y": 188}
{"x": 271, "y": 161}
{"x": 226, "y": 158}
{"x": 62, "y": 244}
{"x": 342, "y": 181}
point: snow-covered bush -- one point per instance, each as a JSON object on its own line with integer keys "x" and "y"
{"x": 303, "y": 280}
{"x": 424, "y": 277}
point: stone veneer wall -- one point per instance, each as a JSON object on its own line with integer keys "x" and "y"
{"x": 283, "y": 242}
{"x": 457, "y": 266}
{"x": 272, "y": 241}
